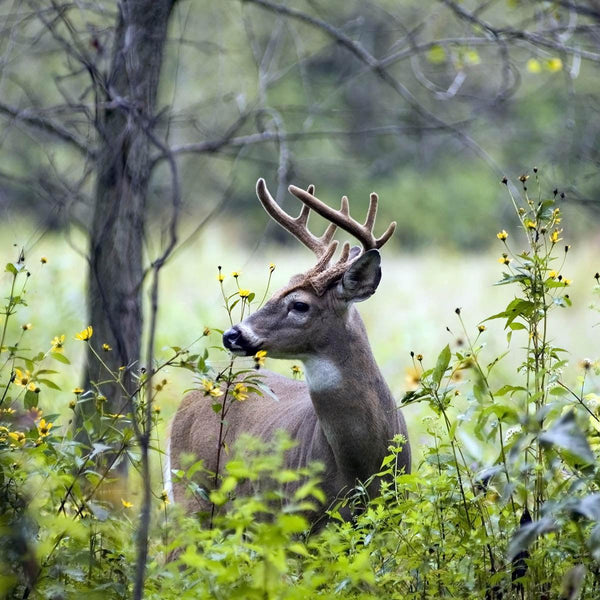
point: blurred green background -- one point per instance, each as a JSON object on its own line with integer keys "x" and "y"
{"x": 478, "y": 90}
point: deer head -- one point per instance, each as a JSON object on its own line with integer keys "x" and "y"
{"x": 303, "y": 318}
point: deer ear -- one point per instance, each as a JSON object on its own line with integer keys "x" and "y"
{"x": 360, "y": 281}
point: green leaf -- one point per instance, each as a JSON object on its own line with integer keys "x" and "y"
{"x": 527, "y": 534}
{"x": 441, "y": 365}
{"x": 10, "y": 268}
{"x": 267, "y": 390}
{"x": 566, "y": 435}
{"x": 505, "y": 389}
{"x": 49, "y": 384}
{"x": 60, "y": 358}
{"x": 512, "y": 279}
{"x": 588, "y": 507}
{"x": 594, "y": 542}
{"x": 292, "y": 523}
{"x": 98, "y": 448}
{"x": 217, "y": 407}
{"x": 98, "y": 511}
{"x": 31, "y": 399}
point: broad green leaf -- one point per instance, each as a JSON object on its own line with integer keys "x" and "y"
{"x": 98, "y": 448}
{"x": 48, "y": 383}
{"x": 566, "y": 435}
{"x": 31, "y": 399}
{"x": 441, "y": 365}
{"x": 527, "y": 534}
{"x": 60, "y": 358}
{"x": 588, "y": 507}
{"x": 509, "y": 389}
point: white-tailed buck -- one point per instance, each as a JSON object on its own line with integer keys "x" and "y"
{"x": 344, "y": 415}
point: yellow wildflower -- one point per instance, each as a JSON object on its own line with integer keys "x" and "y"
{"x": 567, "y": 281}
{"x": 164, "y": 497}
{"x": 58, "y": 341}
{"x": 106, "y": 347}
{"x": 556, "y": 215}
{"x": 210, "y": 389}
{"x": 72, "y": 404}
{"x": 413, "y": 378}
{"x": 85, "y": 335}
{"x": 236, "y": 274}
{"x": 206, "y": 331}
{"x": 502, "y": 235}
{"x": 32, "y": 387}
{"x": 221, "y": 277}
{"x": 504, "y": 259}
{"x": 44, "y": 428}
{"x": 21, "y": 378}
{"x": 534, "y": 66}
{"x": 554, "y": 64}
{"x": 240, "y": 392}
{"x": 126, "y": 504}
{"x": 419, "y": 357}
{"x": 259, "y": 358}
{"x": 553, "y": 274}
{"x": 43, "y": 260}
{"x": 18, "y": 437}
{"x": 271, "y": 267}
{"x": 156, "y": 409}
{"x": 26, "y": 326}
{"x": 244, "y": 293}
{"x": 481, "y": 328}
{"x": 78, "y": 391}
{"x": 296, "y": 371}
{"x": 530, "y": 224}
{"x": 554, "y": 236}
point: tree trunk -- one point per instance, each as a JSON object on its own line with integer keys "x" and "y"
{"x": 123, "y": 170}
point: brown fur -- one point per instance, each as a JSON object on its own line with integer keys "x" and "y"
{"x": 344, "y": 415}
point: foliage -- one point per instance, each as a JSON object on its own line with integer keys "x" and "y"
{"x": 505, "y": 502}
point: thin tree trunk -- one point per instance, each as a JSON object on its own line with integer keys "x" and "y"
{"x": 116, "y": 239}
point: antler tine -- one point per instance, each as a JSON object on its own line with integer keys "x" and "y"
{"x": 363, "y": 233}
{"x": 389, "y": 232}
{"x": 296, "y": 226}
{"x": 372, "y": 212}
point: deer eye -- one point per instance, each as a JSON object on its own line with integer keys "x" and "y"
{"x": 301, "y": 307}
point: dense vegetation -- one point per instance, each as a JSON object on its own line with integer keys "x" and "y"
{"x": 503, "y": 500}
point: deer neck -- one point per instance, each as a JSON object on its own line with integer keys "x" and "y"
{"x": 353, "y": 403}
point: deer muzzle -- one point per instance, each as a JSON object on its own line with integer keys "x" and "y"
{"x": 241, "y": 342}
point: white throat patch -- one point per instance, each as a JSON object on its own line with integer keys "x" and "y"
{"x": 321, "y": 374}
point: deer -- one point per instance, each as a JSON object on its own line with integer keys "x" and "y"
{"x": 343, "y": 415}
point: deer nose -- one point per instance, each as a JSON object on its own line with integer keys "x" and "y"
{"x": 231, "y": 338}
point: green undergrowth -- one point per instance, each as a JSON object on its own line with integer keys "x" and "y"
{"x": 504, "y": 502}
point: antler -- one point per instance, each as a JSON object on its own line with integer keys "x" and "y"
{"x": 362, "y": 232}
{"x": 322, "y": 274}
{"x": 298, "y": 226}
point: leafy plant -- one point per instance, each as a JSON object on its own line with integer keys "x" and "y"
{"x": 504, "y": 504}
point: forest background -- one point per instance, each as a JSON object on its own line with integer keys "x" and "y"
{"x": 132, "y": 135}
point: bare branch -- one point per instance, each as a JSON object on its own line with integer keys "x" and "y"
{"x": 378, "y": 69}
{"x": 35, "y": 119}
